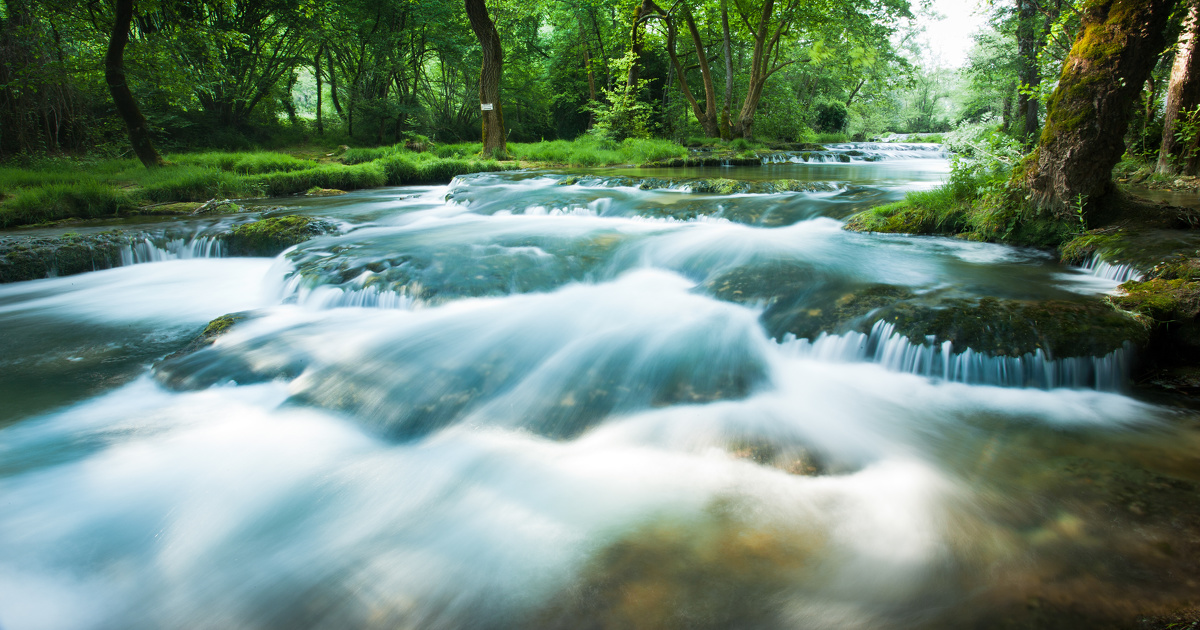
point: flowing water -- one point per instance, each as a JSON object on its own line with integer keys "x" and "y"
{"x": 524, "y": 400}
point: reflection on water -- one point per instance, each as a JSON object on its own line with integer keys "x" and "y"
{"x": 527, "y": 406}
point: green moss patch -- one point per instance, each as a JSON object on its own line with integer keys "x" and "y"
{"x": 268, "y": 237}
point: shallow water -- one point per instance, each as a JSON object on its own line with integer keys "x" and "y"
{"x": 516, "y": 403}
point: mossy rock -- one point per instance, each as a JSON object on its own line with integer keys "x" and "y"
{"x": 896, "y": 218}
{"x": 169, "y": 209}
{"x": 215, "y": 206}
{"x": 798, "y": 304}
{"x": 268, "y": 237}
{"x": 42, "y": 257}
{"x": 211, "y": 332}
{"x": 317, "y": 191}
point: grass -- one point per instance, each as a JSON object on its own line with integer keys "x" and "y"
{"x": 832, "y": 138}
{"x": 54, "y": 189}
{"x": 592, "y": 151}
{"x": 976, "y": 207}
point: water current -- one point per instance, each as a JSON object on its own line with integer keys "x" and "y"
{"x": 577, "y": 400}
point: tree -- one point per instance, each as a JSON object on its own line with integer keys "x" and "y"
{"x": 114, "y": 76}
{"x": 1088, "y": 113}
{"x": 1183, "y": 94}
{"x": 494, "y": 141}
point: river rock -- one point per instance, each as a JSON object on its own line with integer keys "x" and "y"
{"x": 268, "y": 237}
{"x": 31, "y": 258}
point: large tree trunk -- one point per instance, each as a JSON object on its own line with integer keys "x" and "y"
{"x": 114, "y": 75}
{"x": 727, "y": 48}
{"x": 1027, "y": 105}
{"x": 707, "y": 117}
{"x": 1183, "y": 92}
{"x": 494, "y": 141}
{"x": 1118, "y": 45}
{"x": 317, "y": 72}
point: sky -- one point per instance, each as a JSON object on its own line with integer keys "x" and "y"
{"x": 950, "y": 38}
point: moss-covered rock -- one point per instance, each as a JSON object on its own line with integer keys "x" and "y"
{"x": 317, "y": 191}
{"x": 268, "y": 237}
{"x": 1061, "y": 328}
{"x": 41, "y": 257}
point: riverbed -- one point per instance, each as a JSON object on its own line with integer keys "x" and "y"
{"x": 577, "y": 399}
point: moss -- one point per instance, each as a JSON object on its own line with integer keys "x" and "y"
{"x": 268, "y": 237}
{"x": 1081, "y": 248}
{"x": 317, "y": 191}
{"x": 1161, "y": 300}
{"x": 900, "y": 217}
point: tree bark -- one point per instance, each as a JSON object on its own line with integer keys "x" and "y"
{"x": 1183, "y": 92}
{"x": 317, "y": 71}
{"x": 728, "y": 50}
{"x": 637, "y": 36}
{"x": 1027, "y": 72}
{"x": 494, "y": 141}
{"x": 707, "y": 117}
{"x": 114, "y": 76}
{"x": 1118, "y": 45}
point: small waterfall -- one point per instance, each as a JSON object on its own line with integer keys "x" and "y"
{"x": 324, "y": 296}
{"x": 883, "y": 345}
{"x": 147, "y": 250}
{"x": 1116, "y": 273}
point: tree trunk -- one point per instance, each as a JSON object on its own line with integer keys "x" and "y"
{"x": 637, "y": 36}
{"x": 707, "y": 117}
{"x": 728, "y": 50}
{"x": 1027, "y": 69}
{"x": 114, "y": 75}
{"x": 333, "y": 91}
{"x": 1183, "y": 92}
{"x": 317, "y": 71}
{"x": 494, "y": 141}
{"x": 1118, "y": 45}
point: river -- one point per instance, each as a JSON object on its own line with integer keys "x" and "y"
{"x": 570, "y": 400}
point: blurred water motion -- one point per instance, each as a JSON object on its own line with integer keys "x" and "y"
{"x": 519, "y": 402}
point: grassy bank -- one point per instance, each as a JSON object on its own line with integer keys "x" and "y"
{"x": 53, "y": 189}
{"x": 974, "y": 206}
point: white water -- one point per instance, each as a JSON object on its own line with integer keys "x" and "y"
{"x": 471, "y": 414}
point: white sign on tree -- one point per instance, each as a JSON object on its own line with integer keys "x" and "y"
{"x": 487, "y": 107}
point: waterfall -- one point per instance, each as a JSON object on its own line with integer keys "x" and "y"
{"x": 1118, "y": 273}
{"x": 885, "y": 346}
{"x": 146, "y": 250}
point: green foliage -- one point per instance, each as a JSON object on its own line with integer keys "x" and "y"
{"x": 624, "y": 115}
{"x": 831, "y": 117}
{"x": 1187, "y": 131}
{"x": 243, "y": 163}
{"x": 830, "y": 138}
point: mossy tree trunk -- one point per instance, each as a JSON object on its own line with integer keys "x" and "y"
{"x": 494, "y": 142}
{"x": 1183, "y": 92}
{"x": 114, "y": 76}
{"x": 1118, "y": 45}
{"x": 1027, "y": 106}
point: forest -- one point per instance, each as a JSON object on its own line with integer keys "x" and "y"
{"x": 649, "y": 314}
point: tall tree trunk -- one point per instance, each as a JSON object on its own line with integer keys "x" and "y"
{"x": 728, "y": 50}
{"x": 1027, "y": 68}
{"x": 1183, "y": 92}
{"x": 317, "y": 71}
{"x": 637, "y": 36}
{"x": 494, "y": 141}
{"x": 333, "y": 90}
{"x": 1118, "y": 45}
{"x": 707, "y": 117}
{"x": 114, "y": 76}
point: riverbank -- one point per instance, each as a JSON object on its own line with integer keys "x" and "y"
{"x": 54, "y": 190}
